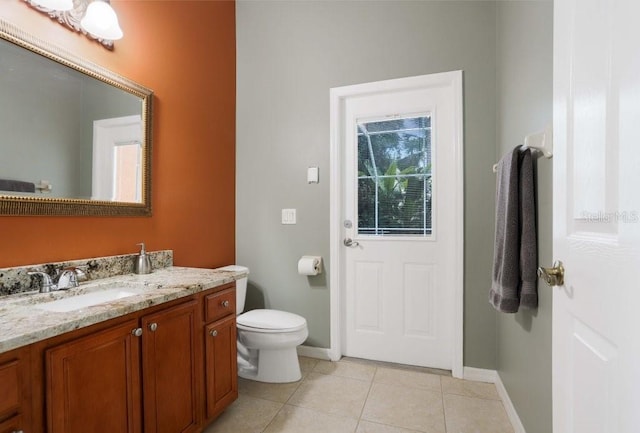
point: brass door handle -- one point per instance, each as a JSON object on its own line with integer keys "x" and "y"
{"x": 552, "y": 276}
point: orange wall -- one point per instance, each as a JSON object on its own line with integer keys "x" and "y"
{"x": 185, "y": 52}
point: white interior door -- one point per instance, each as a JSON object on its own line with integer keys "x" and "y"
{"x": 401, "y": 220}
{"x": 117, "y": 159}
{"x": 596, "y": 347}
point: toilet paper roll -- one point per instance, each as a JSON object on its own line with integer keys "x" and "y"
{"x": 310, "y": 265}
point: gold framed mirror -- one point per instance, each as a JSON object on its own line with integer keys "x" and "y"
{"x": 75, "y": 138}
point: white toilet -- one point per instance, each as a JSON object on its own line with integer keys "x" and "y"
{"x": 267, "y": 339}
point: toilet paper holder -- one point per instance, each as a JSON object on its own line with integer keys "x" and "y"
{"x": 310, "y": 265}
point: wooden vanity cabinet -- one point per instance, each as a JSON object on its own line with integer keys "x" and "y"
{"x": 169, "y": 370}
{"x": 220, "y": 365}
{"x": 93, "y": 383}
{"x": 147, "y": 372}
{"x": 15, "y": 409}
{"x": 220, "y": 351}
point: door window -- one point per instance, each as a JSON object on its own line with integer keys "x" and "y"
{"x": 394, "y": 177}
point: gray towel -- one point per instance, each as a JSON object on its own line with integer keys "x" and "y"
{"x": 16, "y": 186}
{"x": 515, "y": 249}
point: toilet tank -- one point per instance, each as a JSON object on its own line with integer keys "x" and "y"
{"x": 241, "y": 285}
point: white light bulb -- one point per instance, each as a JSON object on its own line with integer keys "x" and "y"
{"x": 101, "y": 20}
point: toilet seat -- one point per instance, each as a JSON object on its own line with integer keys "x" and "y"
{"x": 270, "y": 321}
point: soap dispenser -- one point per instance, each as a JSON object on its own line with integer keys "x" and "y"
{"x": 142, "y": 264}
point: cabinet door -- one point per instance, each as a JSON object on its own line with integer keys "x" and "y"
{"x": 93, "y": 383}
{"x": 14, "y": 391}
{"x": 169, "y": 370}
{"x": 221, "y": 368}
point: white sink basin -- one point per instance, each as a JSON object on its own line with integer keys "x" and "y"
{"x": 87, "y": 300}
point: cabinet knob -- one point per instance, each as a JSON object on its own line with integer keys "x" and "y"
{"x": 153, "y": 326}
{"x": 18, "y": 431}
{"x": 137, "y": 332}
{"x": 225, "y": 304}
{"x": 213, "y": 333}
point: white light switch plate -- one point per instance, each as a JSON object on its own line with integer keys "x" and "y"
{"x": 288, "y": 216}
{"x": 312, "y": 175}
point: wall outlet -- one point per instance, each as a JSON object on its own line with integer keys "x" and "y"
{"x": 288, "y": 216}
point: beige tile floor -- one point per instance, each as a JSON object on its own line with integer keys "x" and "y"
{"x": 356, "y": 396}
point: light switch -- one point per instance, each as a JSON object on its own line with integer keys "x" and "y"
{"x": 288, "y": 216}
{"x": 312, "y": 175}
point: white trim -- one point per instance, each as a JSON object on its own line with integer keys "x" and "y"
{"x": 492, "y": 376}
{"x": 337, "y": 97}
{"x": 314, "y": 352}
{"x": 509, "y": 407}
{"x": 335, "y": 197}
{"x": 480, "y": 375}
{"x": 457, "y": 360}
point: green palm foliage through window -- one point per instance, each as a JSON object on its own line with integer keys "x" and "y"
{"x": 394, "y": 177}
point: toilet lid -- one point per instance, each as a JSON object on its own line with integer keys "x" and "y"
{"x": 234, "y": 268}
{"x": 271, "y": 320}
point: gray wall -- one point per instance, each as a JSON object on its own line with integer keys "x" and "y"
{"x": 289, "y": 54}
{"x": 100, "y": 101}
{"x": 46, "y": 118}
{"x": 524, "y": 72}
{"x": 33, "y": 145}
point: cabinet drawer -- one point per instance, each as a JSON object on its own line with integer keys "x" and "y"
{"x": 12, "y": 425}
{"x": 10, "y": 397}
{"x": 220, "y": 304}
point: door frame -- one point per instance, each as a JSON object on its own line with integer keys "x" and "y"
{"x": 338, "y": 95}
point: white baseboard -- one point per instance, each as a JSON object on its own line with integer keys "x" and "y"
{"x": 314, "y": 352}
{"x": 508, "y": 406}
{"x": 480, "y": 374}
{"x": 492, "y": 376}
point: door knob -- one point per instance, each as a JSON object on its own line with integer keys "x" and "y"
{"x": 552, "y": 276}
{"x": 348, "y": 242}
{"x": 137, "y": 332}
{"x": 213, "y": 333}
{"x": 153, "y": 326}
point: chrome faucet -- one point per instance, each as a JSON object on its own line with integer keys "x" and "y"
{"x": 69, "y": 277}
{"x": 65, "y": 279}
{"x": 47, "y": 285}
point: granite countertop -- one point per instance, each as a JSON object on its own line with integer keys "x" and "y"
{"x": 23, "y": 323}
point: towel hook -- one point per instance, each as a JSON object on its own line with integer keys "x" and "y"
{"x": 541, "y": 142}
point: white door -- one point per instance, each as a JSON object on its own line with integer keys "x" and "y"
{"x": 596, "y": 321}
{"x": 401, "y": 219}
{"x": 117, "y": 159}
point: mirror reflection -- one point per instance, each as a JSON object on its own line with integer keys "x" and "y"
{"x": 66, "y": 134}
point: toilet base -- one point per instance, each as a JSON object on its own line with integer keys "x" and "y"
{"x": 273, "y": 366}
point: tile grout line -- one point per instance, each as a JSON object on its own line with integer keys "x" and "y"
{"x": 285, "y": 403}
{"x": 366, "y": 398}
{"x": 272, "y": 419}
{"x": 300, "y": 382}
{"x": 444, "y": 409}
